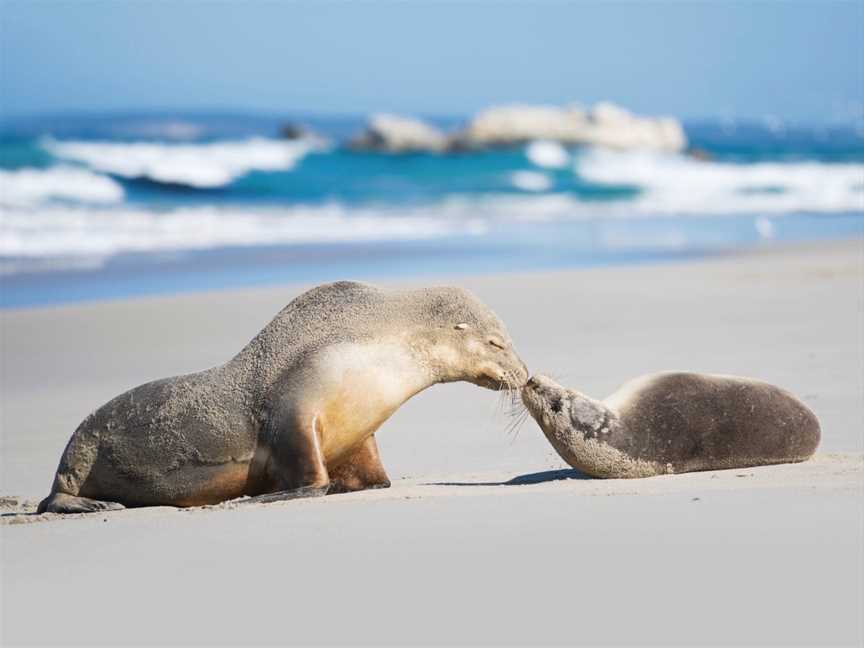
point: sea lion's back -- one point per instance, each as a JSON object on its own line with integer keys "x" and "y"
{"x": 703, "y": 421}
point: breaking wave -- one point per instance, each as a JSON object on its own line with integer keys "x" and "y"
{"x": 201, "y": 166}
{"x": 77, "y": 231}
{"x": 676, "y": 184}
{"x": 82, "y": 208}
{"x": 68, "y": 232}
{"x": 34, "y": 186}
{"x": 550, "y": 155}
{"x": 530, "y": 181}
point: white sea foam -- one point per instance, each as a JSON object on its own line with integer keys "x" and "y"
{"x": 676, "y": 184}
{"x": 550, "y": 155}
{"x": 39, "y": 225}
{"x": 203, "y": 166}
{"x": 59, "y": 235}
{"x": 34, "y": 186}
{"x": 530, "y": 181}
{"x": 69, "y": 232}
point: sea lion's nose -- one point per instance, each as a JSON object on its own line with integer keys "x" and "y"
{"x": 531, "y": 382}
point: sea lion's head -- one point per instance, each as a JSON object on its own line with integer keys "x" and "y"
{"x": 558, "y": 409}
{"x": 465, "y": 340}
{"x": 547, "y": 402}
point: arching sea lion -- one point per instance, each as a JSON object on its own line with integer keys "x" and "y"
{"x": 294, "y": 413}
{"x": 673, "y": 423}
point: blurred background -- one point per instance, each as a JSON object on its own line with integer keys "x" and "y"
{"x": 150, "y": 148}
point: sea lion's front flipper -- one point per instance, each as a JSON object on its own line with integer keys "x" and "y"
{"x": 361, "y": 470}
{"x": 296, "y": 460}
{"x": 65, "y": 503}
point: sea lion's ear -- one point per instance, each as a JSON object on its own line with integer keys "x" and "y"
{"x": 461, "y": 327}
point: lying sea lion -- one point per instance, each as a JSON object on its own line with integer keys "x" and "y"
{"x": 673, "y": 423}
{"x": 294, "y": 413}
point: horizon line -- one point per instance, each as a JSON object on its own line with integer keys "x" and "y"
{"x": 299, "y": 114}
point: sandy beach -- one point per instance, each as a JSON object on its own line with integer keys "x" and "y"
{"x": 484, "y": 537}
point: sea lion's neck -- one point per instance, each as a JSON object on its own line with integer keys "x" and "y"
{"x": 357, "y": 387}
{"x": 384, "y": 370}
{"x": 393, "y": 362}
{"x": 577, "y": 426}
{"x": 591, "y": 419}
{"x": 589, "y": 442}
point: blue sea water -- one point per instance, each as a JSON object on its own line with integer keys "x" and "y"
{"x": 97, "y": 207}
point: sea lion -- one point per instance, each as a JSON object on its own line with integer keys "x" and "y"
{"x": 294, "y": 413}
{"x": 673, "y": 422}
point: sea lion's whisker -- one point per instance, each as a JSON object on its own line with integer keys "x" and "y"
{"x": 516, "y": 411}
{"x": 498, "y": 406}
{"x": 522, "y": 420}
{"x": 516, "y": 425}
{"x": 504, "y": 400}
{"x": 502, "y": 395}
{"x": 512, "y": 388}
{"x": 510, "y": 403}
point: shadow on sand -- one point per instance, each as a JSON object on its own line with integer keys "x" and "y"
{"x": 523, "y": 480}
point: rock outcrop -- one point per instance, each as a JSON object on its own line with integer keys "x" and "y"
{"x": 397, "y": 134}
{"x": 605, "y": 125}
{"x": 293, "y": 131}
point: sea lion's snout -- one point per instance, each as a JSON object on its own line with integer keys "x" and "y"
{"x": 520, "y": 374}
{"x": 541, "y": 394}
{"x": 515, "y": 371}
{"x": 541, "y": 383}
{"x": 503, "y": 375}
{"x": 498, "y": 365}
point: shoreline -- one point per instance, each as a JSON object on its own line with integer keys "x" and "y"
{"x": 514, "y": 247}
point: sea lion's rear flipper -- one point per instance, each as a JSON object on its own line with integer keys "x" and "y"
{"x": 64, "y": 503}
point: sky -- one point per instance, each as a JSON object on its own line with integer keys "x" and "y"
{"x": 800, "y": 61}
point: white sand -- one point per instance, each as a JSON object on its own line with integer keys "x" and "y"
{"x": 735, "y": 557}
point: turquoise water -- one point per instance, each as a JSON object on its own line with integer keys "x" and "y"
{"x": 110, "y": 207}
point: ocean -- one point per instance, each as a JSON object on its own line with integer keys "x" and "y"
{"x": 107, "y": 207}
